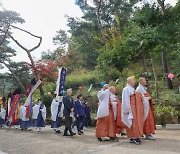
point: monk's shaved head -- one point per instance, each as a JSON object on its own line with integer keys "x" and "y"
{"x": 142, "y": 81}
{"x": 131, "y": 81}
{"x": 113, "y": 89}
{"x": 129, "y": 78}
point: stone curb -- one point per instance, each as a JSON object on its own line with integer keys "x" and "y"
{"x": 159, "y": 127}
{"x": 168, "y": 127}
{"x": 173, "y": 126}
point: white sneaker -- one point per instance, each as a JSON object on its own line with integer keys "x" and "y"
{"x": 5, "y": 126}
{"x": 149, "y": 137}
{"x": 38, "y": 129}
{"x": 28, "y": 129}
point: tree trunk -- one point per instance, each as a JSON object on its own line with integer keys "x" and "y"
{"x": 41, "y": 90}
{"x": 161, "y": 3}
{"x": 155, "y": 76}
{"x": 144, "y": 61}
{"x": 35, "y": 72}
{"x": 164, "y": 61}
{"x": 100, "y": 24}
{"x": 28, "y": 51}
{"x": 19, "y": 82}
{"x": 145, "y": 70}
{"x": 4, "y": 86}
{"x": 165, "y": 70}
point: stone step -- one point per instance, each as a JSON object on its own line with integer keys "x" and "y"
{"x": 173, "y": 126}
{"x": 159, "y": 127}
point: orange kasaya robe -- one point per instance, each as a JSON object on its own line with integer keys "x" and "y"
{"x": 136, "y": 130}
{"x": 119, "y": 124}
{"x": 106, "y": 126}
{"x": 149, "y": 124}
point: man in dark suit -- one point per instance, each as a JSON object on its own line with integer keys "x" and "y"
{"x": 79, "y": 113}
{"x": 87, "y": 115}
{"x": 68, "y": 108}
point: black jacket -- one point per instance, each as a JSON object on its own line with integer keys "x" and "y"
{"x": 68, "y": 104}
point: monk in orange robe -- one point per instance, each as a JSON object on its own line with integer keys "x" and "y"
{"x": 119, "y": 124}
{"x": 149, "y": 122}
{"x": 132, "y": 112}
{"x": 106, "y": 126}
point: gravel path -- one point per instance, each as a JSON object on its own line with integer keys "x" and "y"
{"x": 15, "y": 141}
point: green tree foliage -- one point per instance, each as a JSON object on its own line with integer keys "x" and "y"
{"x": 6, "y": 53}
{"x": 22, "y": 71}
{"x": 130, "y": 31}
{"x": 7, "y": 19}
{"x": 86, "y": 38}
{"x": 61, "y": 38}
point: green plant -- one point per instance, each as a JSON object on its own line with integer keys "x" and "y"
{"x": 166, "y": 114}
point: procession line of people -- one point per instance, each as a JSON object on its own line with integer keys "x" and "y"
{"x": 35, "y": 116}
{"x": 135, "y": 114}
{"x": 23, "y": 118}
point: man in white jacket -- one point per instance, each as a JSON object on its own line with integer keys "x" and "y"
{"x": 39, "y": 115}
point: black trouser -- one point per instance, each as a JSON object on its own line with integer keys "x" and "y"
{"x": 68, "y": 123}
{"x": 87, "y": 121}
{"x": 74, "y": 122}
{"x": 80, "y": 123}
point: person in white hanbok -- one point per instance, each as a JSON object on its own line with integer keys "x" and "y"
{"x": 24, "y": 120}
{"x": 57, "y": 108}
{"x": 39, "y": 115}
{"x": 2, "y": 116}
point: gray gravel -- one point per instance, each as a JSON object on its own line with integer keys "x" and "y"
{"x": 15, "y": 141}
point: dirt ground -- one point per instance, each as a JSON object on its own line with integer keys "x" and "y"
{"x": 15, "y": 141}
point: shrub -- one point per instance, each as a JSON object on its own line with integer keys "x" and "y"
{"x": 166, "y": 115}
{"x": 80, "y": 77}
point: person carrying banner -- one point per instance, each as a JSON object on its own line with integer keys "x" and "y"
{"x": 13, "y": 113}
{"x": 29, "y": 101}
{"x": 24, "y": 119}
{"x": 56, "y": 114}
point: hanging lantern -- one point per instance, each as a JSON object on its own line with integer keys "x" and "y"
{"x": 80, "y": 87}
{"x": 171, "y": 76}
